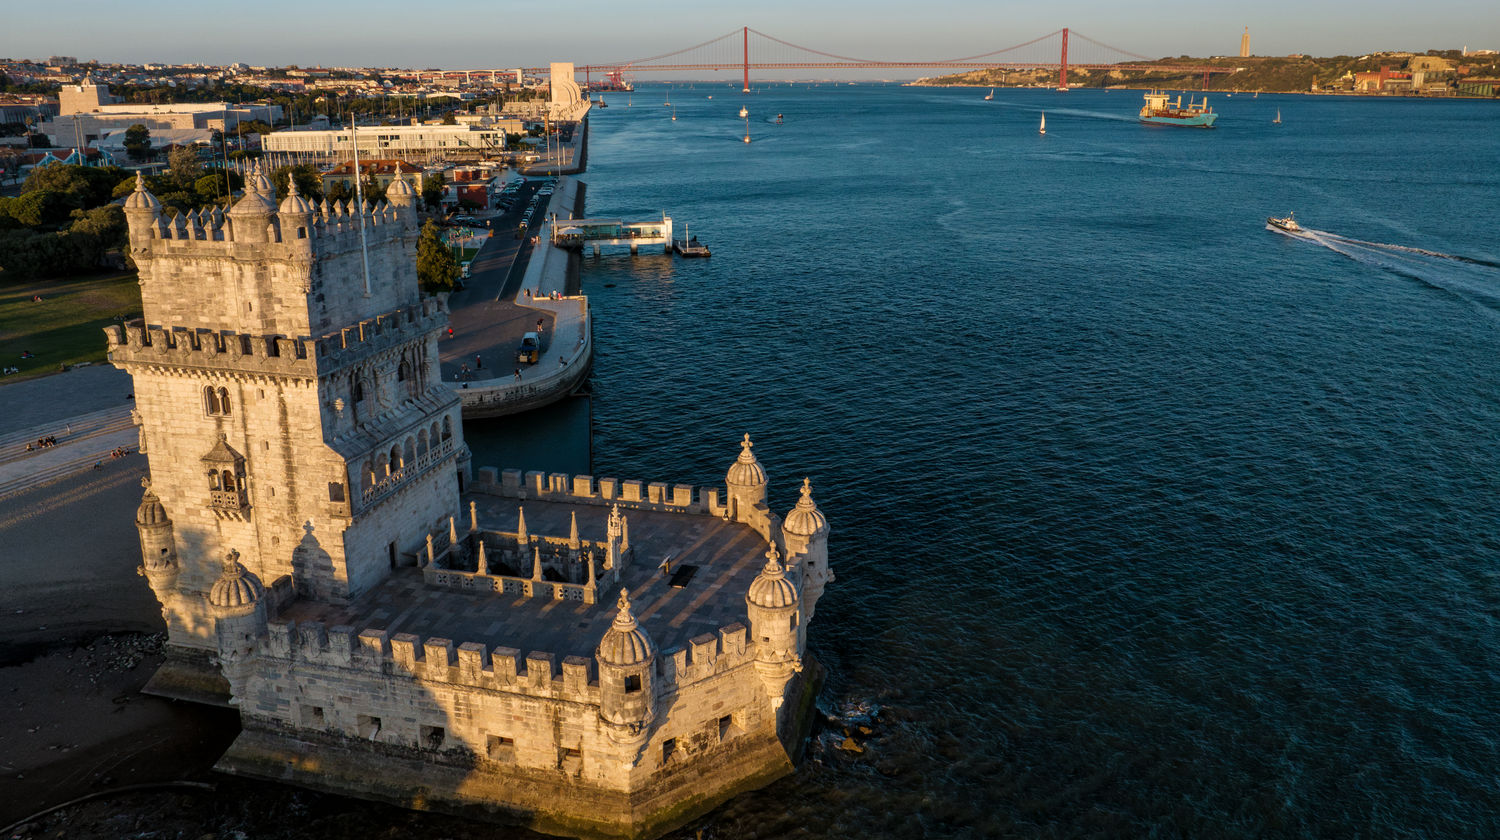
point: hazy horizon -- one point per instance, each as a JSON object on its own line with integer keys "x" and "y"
{"x": 467, "y": 33}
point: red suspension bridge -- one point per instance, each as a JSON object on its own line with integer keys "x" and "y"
{"x": 739, "y": 51}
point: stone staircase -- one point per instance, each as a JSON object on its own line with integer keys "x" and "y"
{"x": 82, "y": 441}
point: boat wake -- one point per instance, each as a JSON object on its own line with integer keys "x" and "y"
{"x": 1475, "y": 280}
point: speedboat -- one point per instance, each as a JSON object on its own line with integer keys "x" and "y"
{"x": 1288, "y": 224}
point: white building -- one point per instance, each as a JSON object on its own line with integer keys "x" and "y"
{"x": 388, "y": 141}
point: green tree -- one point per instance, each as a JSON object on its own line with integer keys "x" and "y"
{"x": 138, "y": 141}
{"x": 339, "y": 191}
{"x": 81, "y": 187}
{"x": 210, "y": 188}
{"x": 309, "y": 184}
{"x": 432, "y": 189}
{"x": 373, "y": 189}
{"x": 184, "y": 167}
{"x": 253, "y": 127}
{"x": 94, "y": 232}
{"x": 449, "y": 119}
{"x": 436, "y": 267}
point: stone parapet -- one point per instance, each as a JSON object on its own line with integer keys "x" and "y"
{"x": 476, "y": 666}
{"x": 143, "y": 344}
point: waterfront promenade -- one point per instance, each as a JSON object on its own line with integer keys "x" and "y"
{"x": 511, "y": 290}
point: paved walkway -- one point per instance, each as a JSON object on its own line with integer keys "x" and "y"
{"x": 506, "y": 299}
{"x": 85, "y": 410}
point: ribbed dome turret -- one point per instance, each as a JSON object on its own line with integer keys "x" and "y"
{"x": 399, "y": 188}
{"x": 257, "y": 201}
{"x": 626, "y": 642}
{"x": 150, "y": 512}
{"x": 294, "y": 202}
{"x": 746, "y": 471}
{"x": 805, "y": 520}
{"x": 771, "y": 589}
{"x": 236, "y": 586}
{"x": 142, "y": 199}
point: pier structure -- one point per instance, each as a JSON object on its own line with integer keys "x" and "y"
{"x": 577, "y": 234}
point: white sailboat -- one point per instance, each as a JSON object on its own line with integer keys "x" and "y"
{"x": 990, "y": 95}
{"x": 1043, "y": 128}
{"x": 674, "y": 113}
{"x": 744, "y": 112}
{"x": 1277, "y": 121}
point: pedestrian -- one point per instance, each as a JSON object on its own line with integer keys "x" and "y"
{"x": 518, "y": 374}
{"x": 478, "y": 362}
{"x": 561, "y": 362}
{"x": 450, "y": 332}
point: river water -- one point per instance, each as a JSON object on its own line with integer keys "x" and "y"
{"x": 1147, "y": 521}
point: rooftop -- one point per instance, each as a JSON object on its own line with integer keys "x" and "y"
{"x": 728, "y": 555}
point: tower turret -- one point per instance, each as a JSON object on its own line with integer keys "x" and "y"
{"x": 772, "y": 604}
{"x": 238, "y": 604}
{"x": 805, "y": 534}
{"x": 403, "y": 198}
{"x": 746, "y": 482}
{"x": 158, "y": 547}
{"x": 627, "y": 659}
{"x": 142, "y": 212}
{"x": 252, "y": 213}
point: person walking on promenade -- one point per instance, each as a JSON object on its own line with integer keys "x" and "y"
{"x": 478, "y": 362}
{"x": 518, "y": 374}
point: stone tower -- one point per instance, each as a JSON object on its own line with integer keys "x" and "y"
{"x": 1245, "y": 44}
{"x": 290, "y": 404}
{"x": 772, "y": 606}
{"x": 805, "y": 534}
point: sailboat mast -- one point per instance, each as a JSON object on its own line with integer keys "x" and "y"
{"x": 359, "y": 196}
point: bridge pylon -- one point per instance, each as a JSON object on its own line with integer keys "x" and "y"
{"x": 747, "y": 60}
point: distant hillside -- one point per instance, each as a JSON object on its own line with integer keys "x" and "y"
{"x": 1289, "y": 74}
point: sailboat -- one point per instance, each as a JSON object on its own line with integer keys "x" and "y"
{"x": 744, "y": 112}
{"x": 1277, "y": 121}
{"x": 990, "y": 95}
{"x": 1043, "y": 128}
{"x": 674, "y": 113}
{"x": 669, "y": 96}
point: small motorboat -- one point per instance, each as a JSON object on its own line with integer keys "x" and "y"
{"x": 1288, "y": 224}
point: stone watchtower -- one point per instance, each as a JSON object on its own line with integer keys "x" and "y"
{"x": 290, "y": 404}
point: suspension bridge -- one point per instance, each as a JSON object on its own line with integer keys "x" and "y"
{"x": 747, "y": 50}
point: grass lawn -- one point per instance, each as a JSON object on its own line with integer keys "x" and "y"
{"x": 67, "y": 326}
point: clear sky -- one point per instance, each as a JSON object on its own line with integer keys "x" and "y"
{"x": 505, "y": 33}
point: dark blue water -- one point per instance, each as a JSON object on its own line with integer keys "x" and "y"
{"x": 1148, "y": 522}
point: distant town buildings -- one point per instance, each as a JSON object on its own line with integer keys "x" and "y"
{"x": 88, "y": 112}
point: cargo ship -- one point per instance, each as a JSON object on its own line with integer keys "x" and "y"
{"x": 1158, "y": 111}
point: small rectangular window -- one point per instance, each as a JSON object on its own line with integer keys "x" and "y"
{"x": 726, "y": 727}
{"x": 368, "y": 726}
{"x": 501, "y": 748}
{"x": 632, "y": 683}
{"x": 335, "y": 491}
{"x": 431, "y": 737}
{"x": 312, "y": 717}
{"x": 668, "y": 749}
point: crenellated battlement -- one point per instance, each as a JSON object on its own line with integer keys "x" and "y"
{"x": 331, "y": 225}
{"x": 476, "y": 666}
{"x": 628, "y": 494}
{"x": 141, "y": 343}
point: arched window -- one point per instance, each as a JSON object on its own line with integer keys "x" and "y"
{"x": 396, "y": 462}
{"x": 210, "y": 400}
{"x": 447, "y": 428}
{"x": 369, "y": 476}
{"x": 357, "y": 389}
{"x": 223, "y": 400}
{"x": 213, "y": 480}
{"x": 434, "y": 436}
{"x": 409, "y": 456}
{"x": 422, "y": 442}
{"x": 229, "y": 480}
{"x": 403, "y": 371}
